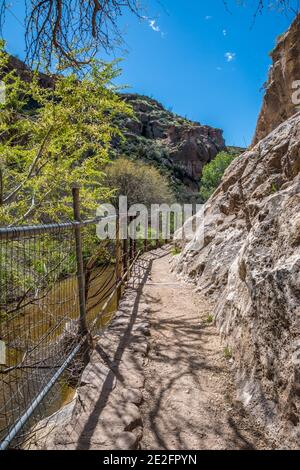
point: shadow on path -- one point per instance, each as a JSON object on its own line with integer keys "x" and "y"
{"x": 189, "y": 392}
{"x": 140, "y": 276}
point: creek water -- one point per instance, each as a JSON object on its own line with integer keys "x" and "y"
{"x": 33, "y": 336}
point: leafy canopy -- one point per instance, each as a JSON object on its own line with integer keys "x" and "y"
{"x": 53, "y": 137}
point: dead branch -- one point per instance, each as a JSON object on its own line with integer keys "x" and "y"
{"x": 72, "y": 30}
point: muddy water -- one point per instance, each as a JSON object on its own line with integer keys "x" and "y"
{"x": 33, "y": 336}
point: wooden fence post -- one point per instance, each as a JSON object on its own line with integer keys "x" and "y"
{"x": 158, "y": 241}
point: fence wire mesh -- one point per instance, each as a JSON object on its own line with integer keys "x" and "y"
{"x": 39, "y": 312}
{"x": 43, "y": 348}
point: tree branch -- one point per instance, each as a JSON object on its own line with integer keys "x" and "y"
{"x": 31, "y": 170}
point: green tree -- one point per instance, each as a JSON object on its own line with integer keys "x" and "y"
{"x": 51, "y": 138}
{"x": 141, "y": 183}
{"x": 213, "y": 173}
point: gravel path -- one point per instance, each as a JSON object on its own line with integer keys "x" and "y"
{"x": 189, "y": 395}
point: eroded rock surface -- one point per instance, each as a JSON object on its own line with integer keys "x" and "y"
{"x": 278, "y": 100}
{"x": 249, "y": 263}
{"x": 171, "y": 142}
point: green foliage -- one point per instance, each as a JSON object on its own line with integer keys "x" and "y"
{"x": 235, "y": 151}
{"x": 227, "y": 352}
{"x": 176, "y": 250}
{"x": 51, "y": 138}
{"x": 157, "y": 154}
{"x": 141, "y": 183}
{"x": 210, "y": 319}
{"x": 42, "y": 263}
{"x": 274, "y": 188}
{"x": 213, "y": 173}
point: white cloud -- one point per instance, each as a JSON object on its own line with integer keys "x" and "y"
{"x": 230, "y": 56}
{"x": 207, "y": 18}
{"x": 154, "y": 26}
{"x": 224, "y": 32}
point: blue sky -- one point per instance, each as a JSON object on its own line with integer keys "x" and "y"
{"x": 194, "y": 57}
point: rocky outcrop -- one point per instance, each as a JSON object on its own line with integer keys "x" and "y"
{"x": 169, "y": 141}
{"x": 249, "y": 263}
{"x": 247, "y": 258}
{"x": 192, "y": 146}
{"x": 26, "y": 74}
{"x": 278, "y": 103}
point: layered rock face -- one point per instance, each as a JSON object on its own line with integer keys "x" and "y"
{"x": 249, "y": 262}
{"x": 278, "y": 103}
{"x": 180, "y": 145}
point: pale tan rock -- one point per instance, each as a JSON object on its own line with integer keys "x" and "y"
{"x": 278, "y": 105}
{"x": 133, "y": 395}
{"x": 250, "y": 266}
{"x": 127, "y": 441}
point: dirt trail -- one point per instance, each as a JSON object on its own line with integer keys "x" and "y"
{"x": 189, "y": 395}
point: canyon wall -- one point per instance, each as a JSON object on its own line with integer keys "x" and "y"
{"x": 285, "y": 71}
{"x": 177, "y": 146}
{"x": 248, "y": 261}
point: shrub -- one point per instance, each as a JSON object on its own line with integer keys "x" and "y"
{"x": 227, "y": 352}
{"x": 176, "y": 251}
{"x": 53, "y": 137}
{"x": 141, "y": 183}
{"x": 210, "y": 319}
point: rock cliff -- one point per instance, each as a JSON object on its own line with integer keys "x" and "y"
{"x": 278, "y": 104}
{"x": 249, "y": 263}
{"x": 248, "y": 260}
{"x": 174, "y": 144}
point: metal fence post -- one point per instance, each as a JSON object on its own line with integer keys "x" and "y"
{"x": 118, "y": 259}
{"x": 125, "y": 257}
{"x": 79, "y": 258}
{"x": 158, "y": 240}
{"x": 131, "y": 244}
